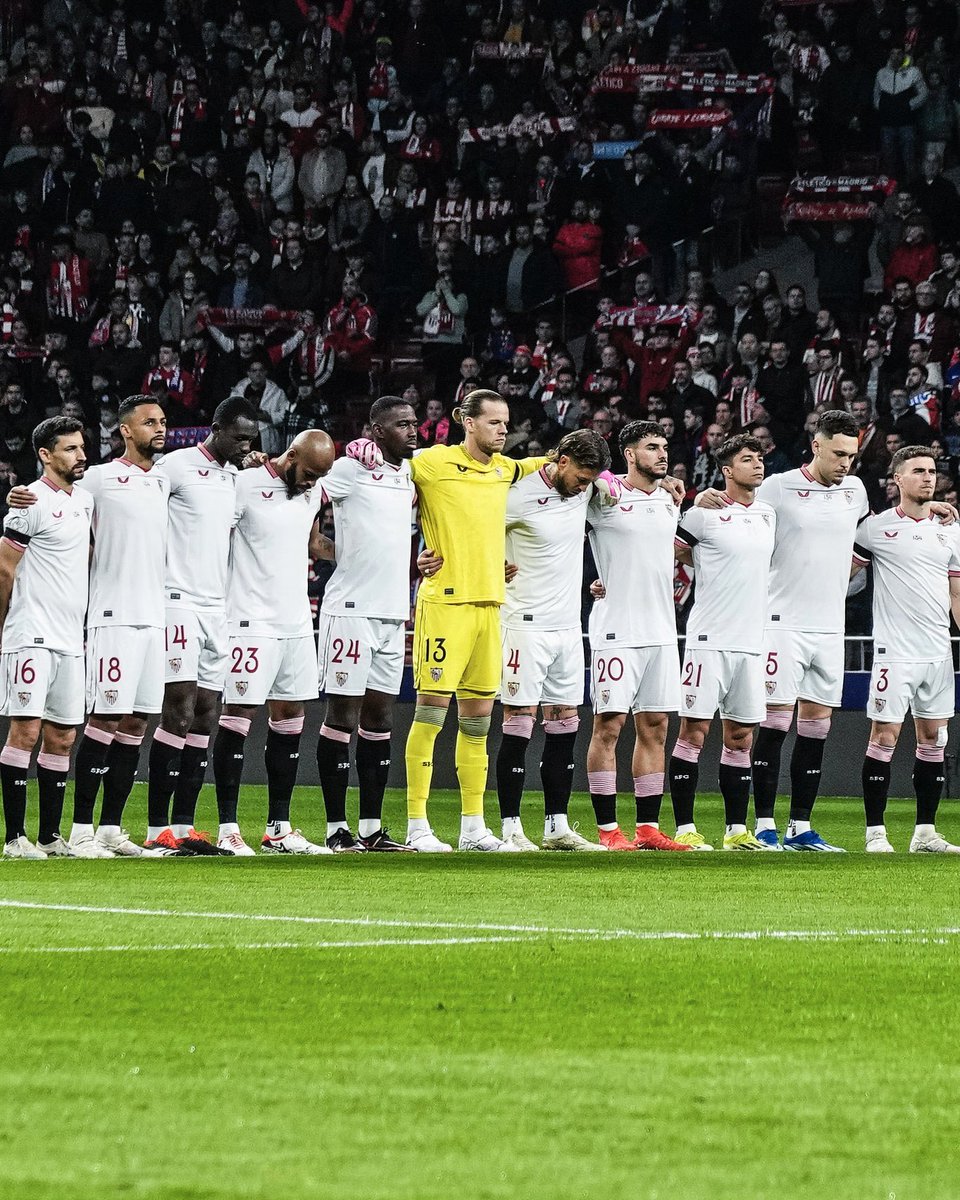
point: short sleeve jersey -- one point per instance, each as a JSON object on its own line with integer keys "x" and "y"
{"x": 545, "y": 539}
{"x": 632, "y": 545}
{"x": 913, "y": 562}
{"x": 371, "y": 516}
{"x": 129, "y": 544}
{"x": 49, "y": 598}
{"x": 202, "y": 495}
{"x": 463, "y": 506}
{"x": 732, "y": 548}
{"x": 267, "y": 588}
{"x": 810, "y": 568}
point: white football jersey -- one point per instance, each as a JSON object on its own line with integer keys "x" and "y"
{"x": 49, "y": 598}
{"x": 632, "y": 544}
{"x": 129, "y": 544}
{"x": 810, "y": 568}
{"x": 545, "y": 539}
{"x": 913, "y": 562}
{"x": 202, "y": 498}
{"x": 732, "y": 548}
{"x": 267, "y": 588}
{"x": 371, "y": 516}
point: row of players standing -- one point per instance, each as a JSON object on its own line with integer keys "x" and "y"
{"x": 162, "y": 603}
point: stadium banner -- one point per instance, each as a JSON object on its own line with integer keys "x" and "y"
{"x": 509, "y": 52}
{"x": 648, "y": 314}
{"x": 689, "y": 118}
{"x": 250, "y": 318}
{"x": 635, "y": 77}
{"x": 842, "y": 185}
{"x": 536, "y": 127}
{"x": 827, "y": 210}
{"x": 613, "y": 150}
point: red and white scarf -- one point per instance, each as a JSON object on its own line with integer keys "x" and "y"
{"x": 67, "y": 288}
{"x": 8, "y": 314}
{"x": 176, "y": 119}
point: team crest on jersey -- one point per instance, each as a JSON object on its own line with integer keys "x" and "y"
{"x": 879, "y": 704}
{"x": 942, "y": 539}
{"x": 689, "y": 700}
{"x": 436, "y": 673}
{"x": 24, "y": 697}
{"x": 342, "y": 677}
{"x": 848, "y": 496}
{"x": 766, "y": 518}
{"x": 771, "y": 686}
{"x": 605, "y": 696}
{"x": 175, "y": 664}
{"x": 110, "y": 696}
{"x": 499, "y": 471}
{"x": 241, "y": 686}
{"x": 512, "y": 688}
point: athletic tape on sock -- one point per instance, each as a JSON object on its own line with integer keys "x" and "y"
{"x": 380, "y": 735}
{"x": 292, "y": 725}
{"x": 95, "y": 734}
{"x": 475, "y": 727}
{"x": 128, "y": 739}
{"x": 239, "y": 725}
{"x": 519, "y": 725}
{"x": 430, "y": 714}
{"x": 686, "y": 751}
{"x": 880, "y": 753}
{"x": 602, "y": 783}
{"x": 169, "y": 739}
{"x": 929, "y": 753}
{"x": 200, "y": 740}
{"x": 777, "y": 718}
{"x": 564, "y": 725}
{"x": 53, "y": 762}
{"x": 818, "y": 729}
{"x": 10, "y": 756}
{"x": 648, "y": 785}
{"x": 735, "y": 758}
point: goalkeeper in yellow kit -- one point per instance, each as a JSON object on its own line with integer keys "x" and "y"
{"x": 456, "y": 649}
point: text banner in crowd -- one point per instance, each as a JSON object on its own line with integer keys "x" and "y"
{"x": 537, "y": 127}
{"x": 689, "y": 118}
{"x": 636, "y": 77}
{"x": 842, "y": 185}
{"x": 828, "y": 210}
{"x": 613, "y": 150}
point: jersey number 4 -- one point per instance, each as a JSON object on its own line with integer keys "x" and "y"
{"x": 513, "y": 662}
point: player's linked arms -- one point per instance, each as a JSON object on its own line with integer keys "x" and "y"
{"x": 946, "y": 513}
{"x": 428, "y": 564}
{"x": 597, "y": 590}
{"x": 20, "y": 497}
{"x": 366, "y": 452}
{"x": 711, "y": 498}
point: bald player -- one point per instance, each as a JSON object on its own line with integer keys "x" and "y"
{"x": 272, "y": 658}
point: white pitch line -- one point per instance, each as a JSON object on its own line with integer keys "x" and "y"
{"x": 528, "y": 932}
{"x": 373, "y": 943}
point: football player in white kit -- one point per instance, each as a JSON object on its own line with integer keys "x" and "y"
{"x": 44, "y": 557}
{"x": 124, "y": 625}
{"x": 201, "y": 509}
{"x": 363, "y": 618}
{"x": 916, "y": 588}
{"x": 730, "y": 550}
{"x": 271, "y": 652}
{"x": 633, "y": 638}
{"x": 541, "y": 634}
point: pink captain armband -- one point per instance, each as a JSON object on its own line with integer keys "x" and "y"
{"x": 366, "y": 452}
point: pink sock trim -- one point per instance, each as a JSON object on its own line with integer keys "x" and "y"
{"x": 53, "y": 762}
{"x": 11, "y": 757}
{"x": 602, "y": 783}
{"x": 128, "y": 739}
{"x": 813, "y": 729}
{"x": 169, "y": 739}
{"x": 292, "y": 725}
{"x": 928, "y": 753}
{"x": 686, "y": 751}
{"x": 880, "y": 753}
{"x": 335, "y": 735}
{"x": 778, "y": 719}
{"x": 200, "y": 740}
{"x": 98, "y": 735}
{"x": 368, "y": 736}
{"x": 564, "y": 725}
{"x": 648, "y": 785}
{"x": 735, "y": 758}
{"x": 239, "y": 725}
{"x": 520, "y": 725}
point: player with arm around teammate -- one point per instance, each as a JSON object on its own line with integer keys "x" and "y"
{"x": 44, "y": 556}
{"x": 916, "y": 588}
{"x": 363, "y": 616}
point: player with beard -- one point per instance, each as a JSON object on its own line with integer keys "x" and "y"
{"x": 271, "y": 652}
{"x": 201, "y": 508}
{"x": 365, "y": 608}
{"x": 43, "y": 598}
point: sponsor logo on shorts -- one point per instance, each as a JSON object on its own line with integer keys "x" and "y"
{"x": 110, "y": 695}
{"x": 689, "y": 699}
{"x": 175, "y": 664}
{"x": 436, "y": 673}
{"x": 512, "y": 688}
{"x": 342, "y": 677}
{"x": 605, "y": 696}
{"x": 241, "y": 686}
{"x": 771, "y": 686}
{"x": 879, "y": 705}
{"x": 24, "y": 697}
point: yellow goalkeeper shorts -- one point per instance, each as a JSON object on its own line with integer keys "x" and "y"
{"x": 456, "y": 649}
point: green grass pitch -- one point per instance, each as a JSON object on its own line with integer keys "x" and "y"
{"x": 465, "y": 1027}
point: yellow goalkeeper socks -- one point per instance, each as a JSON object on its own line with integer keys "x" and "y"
{"x": 419, "y": 760}
{"x": 471, "y": 760}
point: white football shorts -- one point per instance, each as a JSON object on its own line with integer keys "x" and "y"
{"x": 635, "y": 679}
{"x": 195, "y": 647}
{"x": 43, "y": 684}
{"x": 927, "y": 689}
{"x": 264, "y": 668}
{"x": 803, "y": 666}
{"x": 360, "y": 654}
{"x": 542, "y": 666}
{"x": 728, "y": 680}
{"x": 124, "y": 670}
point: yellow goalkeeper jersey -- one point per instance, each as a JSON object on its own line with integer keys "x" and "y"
{"x": 463, "y": 510}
